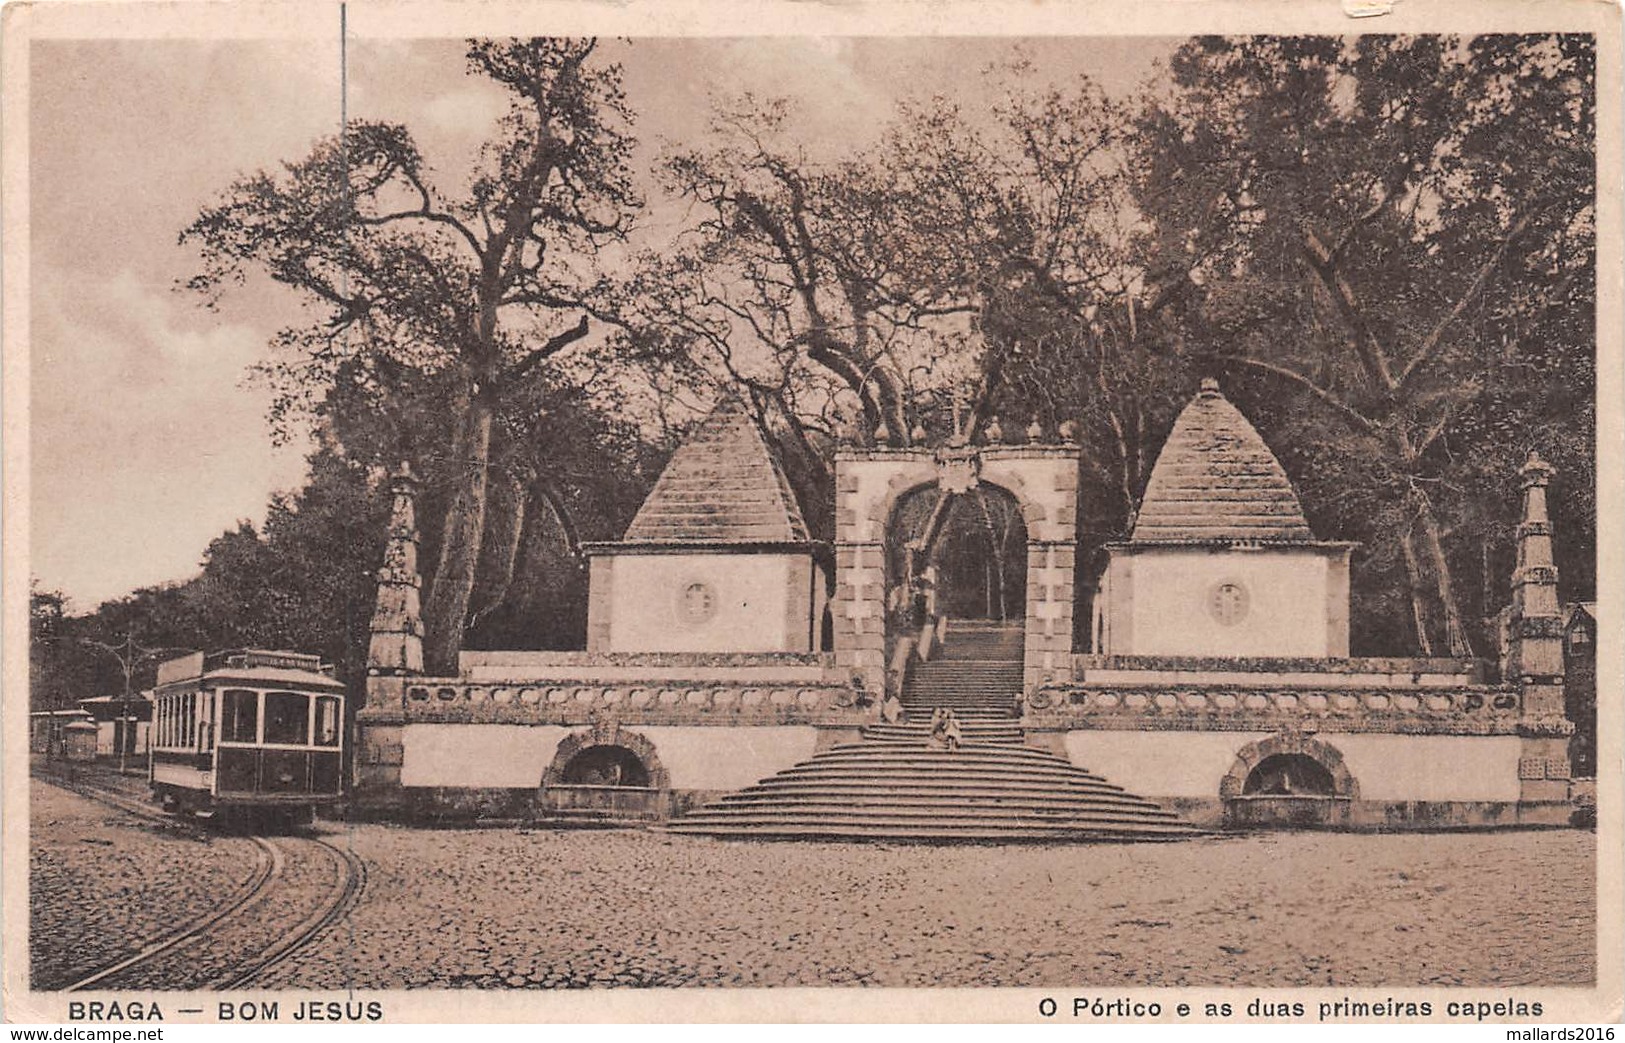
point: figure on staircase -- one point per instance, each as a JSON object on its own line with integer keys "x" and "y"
{"x": 946, "y": 732}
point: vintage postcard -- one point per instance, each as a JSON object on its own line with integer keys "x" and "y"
{"x": 1068, "y": 513}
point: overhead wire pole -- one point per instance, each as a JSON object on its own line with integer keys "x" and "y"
{"x": 128, "y": 654}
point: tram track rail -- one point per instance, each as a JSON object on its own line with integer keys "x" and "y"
{"x": 271, "y": 916}
{"x": 267, "y": 866}
{"x": 352, "y": 876}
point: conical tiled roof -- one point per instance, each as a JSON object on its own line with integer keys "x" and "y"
{"x": 723, "y": 486}
{"x": 1217, "y": 482}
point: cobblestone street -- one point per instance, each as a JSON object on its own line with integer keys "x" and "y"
{"x": 102, "y": 883}
{"x": 507, "y": 908}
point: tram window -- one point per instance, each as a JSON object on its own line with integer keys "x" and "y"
{"x": 327, "y": 721}
{"x": 206, "y": 736}
{"x": 287, "y": 718}
{"x": 239, "y": 716}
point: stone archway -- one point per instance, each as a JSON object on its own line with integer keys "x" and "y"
{"x": 1043, "y": 480}
{"x": 573, "y": 746}
{"x": 1289, "y": 779}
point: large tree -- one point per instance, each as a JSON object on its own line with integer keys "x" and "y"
{"x": 1392, "y": 244}
{"x": 476, "y": 292}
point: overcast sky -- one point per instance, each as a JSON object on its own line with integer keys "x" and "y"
{"x": 146, "y": 440}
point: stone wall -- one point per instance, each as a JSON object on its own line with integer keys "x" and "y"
{"x": 1389, "y": 781}
{"x": 751, "y": 602}
{"x": 1158, "y": 600}
{"x": 427, "y": 769}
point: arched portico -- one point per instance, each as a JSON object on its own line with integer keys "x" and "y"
{"x": 870, "y": 483}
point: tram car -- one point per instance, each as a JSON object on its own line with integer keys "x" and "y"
{"x": 247, "y": 736}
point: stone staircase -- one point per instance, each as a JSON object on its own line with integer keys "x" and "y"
{"x": 975, "y": 672}
{"x": 897, "y": 785}
{"x": 894, "y": 785}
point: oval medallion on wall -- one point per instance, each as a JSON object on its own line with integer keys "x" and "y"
{"x": 1228, "y": 603}
{"x": 696, "y": 603}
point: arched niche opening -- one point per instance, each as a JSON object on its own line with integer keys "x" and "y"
{"x": 1289, "y": 775}
{"x": 963, "y": 558}
{"x": 605, "y": 766}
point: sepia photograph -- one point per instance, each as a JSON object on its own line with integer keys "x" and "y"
{"x": 1054, "y": 511}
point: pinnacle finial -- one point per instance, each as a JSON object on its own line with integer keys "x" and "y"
{"x": 1535, "y": 470}
{"x": 1210, "y": 387}
{"x": 403, "y": 475}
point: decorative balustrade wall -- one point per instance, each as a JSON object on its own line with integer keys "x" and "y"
{"x": 1461, "y": 710}
{"x": 577, "y": 702}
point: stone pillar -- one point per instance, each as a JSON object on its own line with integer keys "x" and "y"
{"x": 1051, "y": 567}
{"x": 600, "y": 598}
{"x": 859, "y": 613}
{"x": 1535, "y": 650}
{"x": 396, "y": 646}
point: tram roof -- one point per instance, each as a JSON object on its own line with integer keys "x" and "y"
{"x": 268, "y": 676}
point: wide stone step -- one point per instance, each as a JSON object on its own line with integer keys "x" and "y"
{"x": 908, "y": 787}
{"x": 899, "y": 834}
{"x": 921, "y": 775}
{"x": 975, "y": 731}
{"x": 936, "y": 821}
{"x": 938, "y": 756}
{"x": 926, "y": 689}
{"x": 1028, "y": 798}
{"x": 940, "y": 829}
{"x": 979, "y": 700}
{"x": 987, "y": 692}
{"x": 924, "y": 782}
{"x": 927, "y": 812}
{"x": 918, "y": 696}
